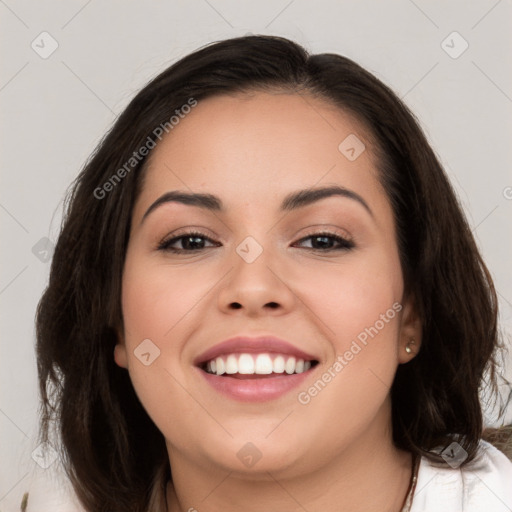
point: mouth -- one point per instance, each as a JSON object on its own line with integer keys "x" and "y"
{"x": 247, "y": 366}
{"x": 248, "y": 369}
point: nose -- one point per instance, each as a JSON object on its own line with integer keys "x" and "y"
{"x": 256, "y": 288}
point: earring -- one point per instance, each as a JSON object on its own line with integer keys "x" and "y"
{"x": 408, "y": 349}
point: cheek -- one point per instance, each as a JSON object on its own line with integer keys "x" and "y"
{"x": 156, "y": 298}
{"x": 155, "y": 301}
{"x": 359, "y": 305}
{"x": 162, "y": 303}
{"x": 148, "y": 309}
{"x": 350, "y": 297}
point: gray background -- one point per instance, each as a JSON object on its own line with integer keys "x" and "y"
{"x": 56, "y": 109}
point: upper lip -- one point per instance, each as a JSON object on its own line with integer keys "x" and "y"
{"x": 260, "y": 344}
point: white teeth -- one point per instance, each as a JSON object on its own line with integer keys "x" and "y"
{"x": 221, "y": 367}
{"x": 263, "y": 364}
{"x": 231, "y": 364}
{"x": 278, "y": 364}
{"x": 289, "y": 367}
{"x": 259, "y": 364}
{"x": 245, "y": 364}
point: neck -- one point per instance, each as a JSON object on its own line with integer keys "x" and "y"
{"x": 368, "y": 474}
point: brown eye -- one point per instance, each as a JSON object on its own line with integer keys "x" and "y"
{"x": 190, "y": 242}
{"x": 328, "y": 242}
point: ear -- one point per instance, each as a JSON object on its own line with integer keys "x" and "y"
{"x": 409, "y": 342}
{"x": 120, "y": 352}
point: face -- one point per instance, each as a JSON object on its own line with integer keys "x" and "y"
{"x": 321, "y": 273}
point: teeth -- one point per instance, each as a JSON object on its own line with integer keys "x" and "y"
{"x": 278, "y": 366}
{"x": 263, "y": 365}
{"x": 259, "y": 364}
{"x": 245, "y": 364}
{"x": 231, "y": 364}
{"x": 221, "y": 367}
{"x": 289, "y": 367}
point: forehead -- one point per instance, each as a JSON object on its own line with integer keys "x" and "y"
{"x": 255, "y": 146}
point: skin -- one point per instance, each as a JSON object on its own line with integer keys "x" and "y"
{"x": 336, "y": 452}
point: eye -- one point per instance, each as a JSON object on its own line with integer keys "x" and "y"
{"x": 194, "y": 241}
{"x": 326, "y": 241}
{"x": 190, "y": 242}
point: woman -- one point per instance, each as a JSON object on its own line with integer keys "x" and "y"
{"x": 265, "y": 296}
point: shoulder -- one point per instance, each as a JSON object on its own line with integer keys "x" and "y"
{"x": 483, "y": 485}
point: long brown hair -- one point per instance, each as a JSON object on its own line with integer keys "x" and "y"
{"x": 115, "y": 456}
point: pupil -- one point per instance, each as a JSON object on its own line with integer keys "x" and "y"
{"x": 191, "y": 240}
{"x": 326, "y": 241}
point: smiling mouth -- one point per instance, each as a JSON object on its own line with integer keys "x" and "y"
{"x": 256, "y": 366}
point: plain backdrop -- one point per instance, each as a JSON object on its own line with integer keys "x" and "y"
{"x": 448, "y": 60}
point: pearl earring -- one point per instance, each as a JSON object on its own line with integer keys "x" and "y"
{"x": 408, "y": 349}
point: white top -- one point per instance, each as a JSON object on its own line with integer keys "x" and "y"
{"x": 483, "y": 486}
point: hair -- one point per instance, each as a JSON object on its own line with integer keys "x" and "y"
{"x": 113, "y": 453}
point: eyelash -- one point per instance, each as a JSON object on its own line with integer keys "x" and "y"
{"x": 345, "y": 244}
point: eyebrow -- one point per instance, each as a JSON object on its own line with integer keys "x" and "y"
{"x": 293, "y": 201}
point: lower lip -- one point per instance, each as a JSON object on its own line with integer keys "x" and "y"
{"x": 255, "y": 390}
